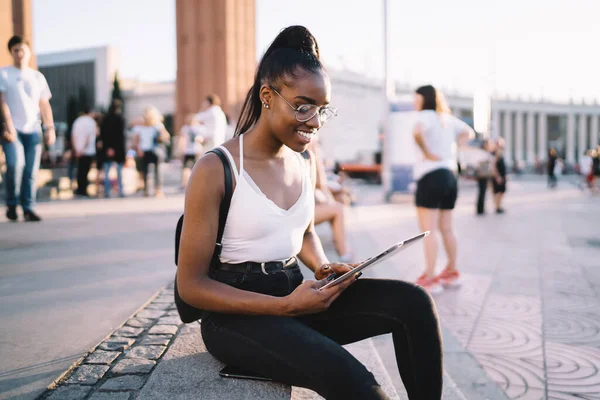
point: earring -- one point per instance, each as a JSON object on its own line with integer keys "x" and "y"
{"x": 265, "y": 105}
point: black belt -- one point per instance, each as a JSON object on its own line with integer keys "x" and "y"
{"x": 263, "y": 268}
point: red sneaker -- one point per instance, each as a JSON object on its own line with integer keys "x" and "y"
{"x": 449, "y": 278}
{"x": 432, "y": 285}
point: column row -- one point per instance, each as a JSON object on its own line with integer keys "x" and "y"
{"x": 527, "y": 137}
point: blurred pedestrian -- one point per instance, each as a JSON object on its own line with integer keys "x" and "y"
{"x": 149, "y": 142}
{"x": 499, "y": 178}
{"x": 24, "y": 97}
{"x": 552, "y": 167}
{"x": 328, "y": 209}
{"x": 214, "y": 120}
{"x": 484, "y": 173}
{"x": 587, "y": 170}
{"x": 436, "y": 132}
{"x": 112, "y": 134}
{"x": 84, "y": 133}
{"x": 191, "y": 141}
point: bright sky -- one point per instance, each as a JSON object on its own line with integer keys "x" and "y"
{"x": 529, "y": 47}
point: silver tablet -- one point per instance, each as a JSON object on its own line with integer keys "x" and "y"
{"x": 374, "y": 260}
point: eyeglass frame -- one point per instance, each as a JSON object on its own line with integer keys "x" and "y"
{"x": 332, "y": 109}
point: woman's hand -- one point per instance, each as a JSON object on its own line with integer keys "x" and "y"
{"x": 335, "y": 268}
{"x": 308, "y": 299}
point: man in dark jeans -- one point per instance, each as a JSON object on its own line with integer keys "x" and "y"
{"x": 24, "y": 97}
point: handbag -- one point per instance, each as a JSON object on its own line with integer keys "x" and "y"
{"x": 188, "y": 313}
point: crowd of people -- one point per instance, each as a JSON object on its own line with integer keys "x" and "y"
{"x": 142, "y": 145}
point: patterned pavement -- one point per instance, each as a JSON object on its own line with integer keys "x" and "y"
{"x": 529, "y": 306}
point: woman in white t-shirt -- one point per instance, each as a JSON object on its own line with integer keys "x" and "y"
{"x": 436, "y": 133}
{"x": 148, "y": 141}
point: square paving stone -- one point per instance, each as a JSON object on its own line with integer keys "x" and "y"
{"x": 172, "y": 313}
{"x": 164, "y": 299}
{"x": 151, "y": 314}
{"x": 140, "y": 322}
{"x": 129, "y": 366}
{"x": 70, "y": 392}
{"x": 88, "y": 374}
{"x": 158, "y": 306}
{"x": 125, "y": 382}
{"x": 111, "y": 396}
{"x": 102, "y": 357}
{"x": 163, "y": 329}
{"x": 157, "y": 340}
{"x": 116, "y": 343}
{"x": 147, "y": 352}
{"x": 169, "y": 321}
{"x": 129, "y": 331}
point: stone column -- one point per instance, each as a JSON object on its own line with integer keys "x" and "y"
{"x": 570, "y": 150}
{"x": 215, "y": 53}
{"x": 530, "y": 144}
{"x": 15, "y": 19}
{"x": 519, "y": 140}
{"x": 543, "y": 136}
{"x": 594, "y": 142}
{"x": 582, "y": 137}
{"x": 507, "y": 135}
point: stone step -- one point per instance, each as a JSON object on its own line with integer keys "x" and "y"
{"x": 188, "y": 371}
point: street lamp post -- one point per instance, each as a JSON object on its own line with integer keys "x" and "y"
{"x": 388, "y": 93}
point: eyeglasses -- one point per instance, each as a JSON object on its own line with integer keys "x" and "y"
{"x": 306, "y": 112}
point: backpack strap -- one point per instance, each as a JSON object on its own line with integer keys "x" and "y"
{"x": 223, "y": 211}
{"x": 225, "y": 203}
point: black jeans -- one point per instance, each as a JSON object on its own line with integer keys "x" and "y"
{"x": 150, "y": 158}
{"x": 83, "y": 168}
{"x": 483, "y": 184}
{"x": 307, "y": 351}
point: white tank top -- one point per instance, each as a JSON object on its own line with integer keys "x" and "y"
{"x": 257, "y": 229}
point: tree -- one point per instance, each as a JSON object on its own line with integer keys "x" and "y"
{"x": 116, "y": 92}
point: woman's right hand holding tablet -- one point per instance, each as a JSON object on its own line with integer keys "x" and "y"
{"x": 308, "y": 299}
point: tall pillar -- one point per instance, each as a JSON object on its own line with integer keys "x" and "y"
{"x": 542, "y": 136}
{"x": 530, "y": 145}
{"x": 216, "y": 53}
{"x": 570, "y": 150}
{"x": 15, "y": 19}
{"x": 594, "y": 140}
{"x": 507, "y": 134}
{"x": 582, "y": 137}
{"x": 519, "y": 140}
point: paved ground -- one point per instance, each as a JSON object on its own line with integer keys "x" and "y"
{"x": 528, "y": 309}
{"x": 69, "y": 281}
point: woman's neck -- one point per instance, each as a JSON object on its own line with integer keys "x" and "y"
{"x": 263, "y": 142}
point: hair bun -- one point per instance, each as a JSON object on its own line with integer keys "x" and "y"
{"x": 296, "y": 37}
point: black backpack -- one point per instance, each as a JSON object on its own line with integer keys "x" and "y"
{"x": 188, "y": 313}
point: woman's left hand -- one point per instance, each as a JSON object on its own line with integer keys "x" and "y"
{"x": 334, "y": 268}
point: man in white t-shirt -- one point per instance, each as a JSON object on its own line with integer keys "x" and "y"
{"x": 213, "y": 118}
{"x": 83, "y": 137}
{"x": 24, "y": 98}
